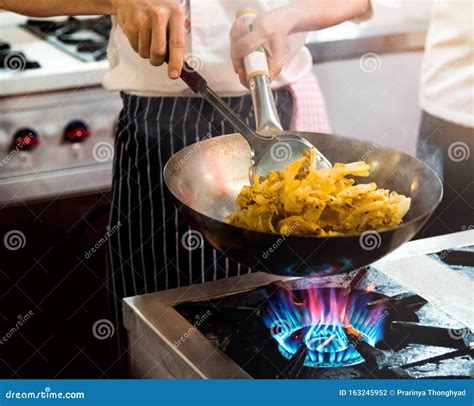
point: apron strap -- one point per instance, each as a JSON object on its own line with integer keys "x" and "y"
{"x": 309, "y": 110}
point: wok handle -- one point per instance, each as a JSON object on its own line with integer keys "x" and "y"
{"x": 258, "y": 77}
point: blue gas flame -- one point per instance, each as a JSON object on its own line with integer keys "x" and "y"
{"x": 321, "y": 321}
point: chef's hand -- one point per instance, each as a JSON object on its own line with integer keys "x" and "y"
{"x": 149, "y": 25}
{"x": 271, "y": 31}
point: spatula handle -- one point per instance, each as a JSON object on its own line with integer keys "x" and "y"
{"x": 190, "y": 76}
{"x": 193, "y": 79}
{"x": 198, "y": 84}
{"x": 258, "y": 77}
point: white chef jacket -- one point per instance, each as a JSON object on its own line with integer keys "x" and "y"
{"x": 447, "y": 77}
{"x": 208, "y": 49}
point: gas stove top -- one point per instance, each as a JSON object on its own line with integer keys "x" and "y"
{"x": 335, "y": 327}
{"x": 57, "y": 136}
{"x": 358, "y": 325}
{"x": 46, "y": 55}
{"x": 85, "y": 39}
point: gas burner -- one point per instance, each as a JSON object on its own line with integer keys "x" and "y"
{"x": 321, "y": 320}
{"x": 85, "y": 39}
{"x": 357, "y": 325}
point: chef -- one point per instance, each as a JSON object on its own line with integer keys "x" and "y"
{"x": 446, "y": 139}
{"x": 153, "y": 249}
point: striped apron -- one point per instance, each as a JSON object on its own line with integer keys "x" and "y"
{"x": 148, "y": 250}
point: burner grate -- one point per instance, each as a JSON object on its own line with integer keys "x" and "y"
{"x": 286, "y": 342}
{"x": 320, "y": 322}
{"x": 85, "y": 39}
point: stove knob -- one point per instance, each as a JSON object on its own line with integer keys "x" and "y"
{"x": 25, "y": 139}
{"x": 76, "y": 131}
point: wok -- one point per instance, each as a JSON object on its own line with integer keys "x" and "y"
{"x": 205, "y": 179}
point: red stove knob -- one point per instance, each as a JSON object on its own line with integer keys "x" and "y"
{"x": 76, "y": 131}
{"x": 25, "y": 139}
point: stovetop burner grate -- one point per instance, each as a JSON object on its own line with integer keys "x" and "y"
{"x": 321, "y": 320}
{"x": 412, "y": 339}
{"x": 85, "y": 39}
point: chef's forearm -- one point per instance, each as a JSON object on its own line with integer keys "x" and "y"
{"x": 311, "y": 15}
{"x": 49, "y": 8}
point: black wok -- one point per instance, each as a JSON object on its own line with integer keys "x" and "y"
{"x": 205, "y": 179}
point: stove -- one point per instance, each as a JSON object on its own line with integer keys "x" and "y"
{"x": 84, "y": 39}
{"x": 51, "y": 54}
{"x": 361, "y": 324}
{"x": 56, "y": 144}
{"x": 56, "y": 136}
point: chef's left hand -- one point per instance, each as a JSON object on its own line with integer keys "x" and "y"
{"x": 271, "y": 31}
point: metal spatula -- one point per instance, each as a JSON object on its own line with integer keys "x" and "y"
{"x": 286, "y": 146}
{"x": 268, "y": 151}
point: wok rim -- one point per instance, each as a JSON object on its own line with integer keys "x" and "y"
{"x": 379, "y": 231}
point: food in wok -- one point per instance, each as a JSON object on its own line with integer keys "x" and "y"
{"x": 304, "y": 201}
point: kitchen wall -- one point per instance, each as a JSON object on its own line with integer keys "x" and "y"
{"x": 380, "y": 105}
{"x": 370, "y": 73}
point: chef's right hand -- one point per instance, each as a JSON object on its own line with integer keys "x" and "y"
{"x": 149, "y": 25}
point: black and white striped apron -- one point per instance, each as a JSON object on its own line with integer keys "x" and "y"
{"x": 146, "y": 252}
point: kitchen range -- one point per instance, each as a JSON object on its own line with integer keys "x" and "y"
{"x": 405, "y": 317}
{"x": 56, "y": 138}
{"x": 56, "y": 148}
